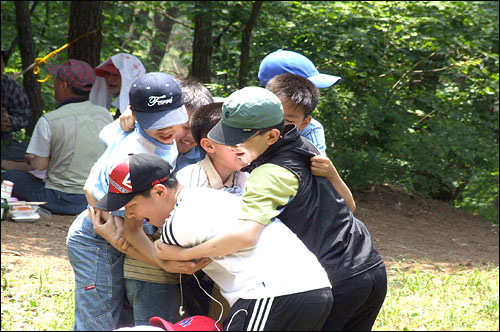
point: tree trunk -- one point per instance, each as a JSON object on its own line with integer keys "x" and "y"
{"x": 245, "y": 44}
{"x": 27, "y": 49}
{"x": 84, "y": 17}
{"x": 163, "y": 30}
{"x": 202, "y": 47}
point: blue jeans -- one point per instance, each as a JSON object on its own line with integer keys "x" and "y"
{"x": 32, "y": 189}
{"x": 100, "y": 287}
{"x": 99, "y": 284}
{"x": 149, "y": 299}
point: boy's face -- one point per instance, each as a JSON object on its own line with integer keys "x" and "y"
{"x": 164, "y": 135}
{"x": 150, "y": 208}
{"x": 224, "y": 155}
{"x": 184, "y": 139}
{"x": 252, "y": 148}
{"x": 114, "y": 83}
{"x": 295, "y": 114}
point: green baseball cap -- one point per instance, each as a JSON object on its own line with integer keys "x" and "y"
{"x": 244, "y": 112}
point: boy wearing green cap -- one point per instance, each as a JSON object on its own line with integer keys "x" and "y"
{"x": 282, "y": 186}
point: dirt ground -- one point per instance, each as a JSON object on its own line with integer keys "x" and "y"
{"x": 406, "y": 228}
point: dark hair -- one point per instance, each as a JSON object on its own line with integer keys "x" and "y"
{"x": 297, "y": 89}
{"x": 79, "y": 92}
{"x": 171, "y": 182}
{"x": 280, "y": 126}
{"x": 204, "y": 119}
{"x": 195, "y": 94}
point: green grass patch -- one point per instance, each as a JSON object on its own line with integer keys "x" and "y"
{"x": 461, "y": 300}
{"x": 36, "y": 301}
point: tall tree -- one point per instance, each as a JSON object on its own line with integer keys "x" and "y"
{"x": 27, "y": 49}
{"x": 202, "y": 44}
{"x": 84, "y": 18}
{"x": 163, "y": 24}
{"x": 245, "y": 44}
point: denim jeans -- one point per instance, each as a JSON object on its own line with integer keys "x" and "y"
{"x": 100, "y": 288}
{"x": 149, "y": 299}
{"x": 32, "y": 189}
{"x": 99, "y": 283}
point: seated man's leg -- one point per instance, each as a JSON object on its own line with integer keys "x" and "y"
{"x": 99, "y": 283}
{"x": 14, "y": 150}
{"x": 32, "y": 189}
{"x": 150, "y": 299}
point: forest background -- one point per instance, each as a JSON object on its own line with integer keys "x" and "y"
{"x": 417, "y": 106}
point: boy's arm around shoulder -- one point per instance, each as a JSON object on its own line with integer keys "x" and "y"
{"x": 243, "y": 235}
{"x": 323, "y": 166}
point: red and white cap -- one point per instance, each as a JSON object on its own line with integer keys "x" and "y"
{"x": 193, "y": 323}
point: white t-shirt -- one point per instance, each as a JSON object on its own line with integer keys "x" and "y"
{"x": 279, "y": 264}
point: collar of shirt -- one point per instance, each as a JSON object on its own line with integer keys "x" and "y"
{"x": 73, "y": 100}
{"x": 213, "y": 177}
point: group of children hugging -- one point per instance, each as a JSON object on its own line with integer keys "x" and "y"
{"x": 221, "y": 213}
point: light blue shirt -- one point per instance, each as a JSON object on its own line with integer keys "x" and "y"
{"x": 191, "y": 157}
{"x": 316, "y": 134}
{"x": 137, "y": 141}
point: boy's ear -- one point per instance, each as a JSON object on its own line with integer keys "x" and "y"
{"x": 305, "y": 123}
{"x": 207, "y": 145}
{"x": 272, "y": 136}
{"x": 159, "y": 190}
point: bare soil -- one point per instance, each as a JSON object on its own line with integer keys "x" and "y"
{"x": 419, "y": 232}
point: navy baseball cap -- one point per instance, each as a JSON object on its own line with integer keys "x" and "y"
{"x": 76, "y": 73}
{"x": 135, "y": 174}
{"x": 282, "y": 62}
{"x": 157, "y": 101}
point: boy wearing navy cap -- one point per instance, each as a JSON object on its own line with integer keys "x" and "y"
{"x": 103, "y": 274}
{"x": 269, "y": 287}
{"x": 282, "y": 186}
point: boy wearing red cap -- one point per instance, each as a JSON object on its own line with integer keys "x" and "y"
{"x": 65, "y": 142}
{"x": 269, "y": 286}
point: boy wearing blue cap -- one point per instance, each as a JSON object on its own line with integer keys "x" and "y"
{"x": 157, "y": 102}
{"x": 282, "y": 62}
{"x": 282, "y": 186}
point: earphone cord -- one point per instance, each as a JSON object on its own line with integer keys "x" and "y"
{"x": 181, "y": 308}
{"x": 210, "y": 296}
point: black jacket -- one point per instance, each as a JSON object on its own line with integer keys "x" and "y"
{"x": 318, "y": 215}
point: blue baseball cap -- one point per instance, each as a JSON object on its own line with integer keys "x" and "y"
{"x": 157, "y": 101}
{"x": 283, "y": 62}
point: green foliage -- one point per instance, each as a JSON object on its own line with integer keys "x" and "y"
{"x": 418, "y": 103}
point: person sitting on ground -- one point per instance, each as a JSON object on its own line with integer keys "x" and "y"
{"x": 282, "y": 62}
{"x": 65, "y": 142}
{"x": 16, "y": 115}
{"x": 282, "y": 186}
{"x": 157, "y": 104}
{"x": 251, "y": 280}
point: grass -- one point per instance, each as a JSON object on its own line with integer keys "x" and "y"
{"x": 463, "y": 299}
{"x": 37, "y": 301}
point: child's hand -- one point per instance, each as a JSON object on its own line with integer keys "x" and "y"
{"x": 168, "y": 252}
{"x": 109, "y": 227}
{"x": 127, "y": 120}
{"x": 322, "y": 166}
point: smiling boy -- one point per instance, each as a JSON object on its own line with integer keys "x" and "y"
{"x": 157, "y": 102}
